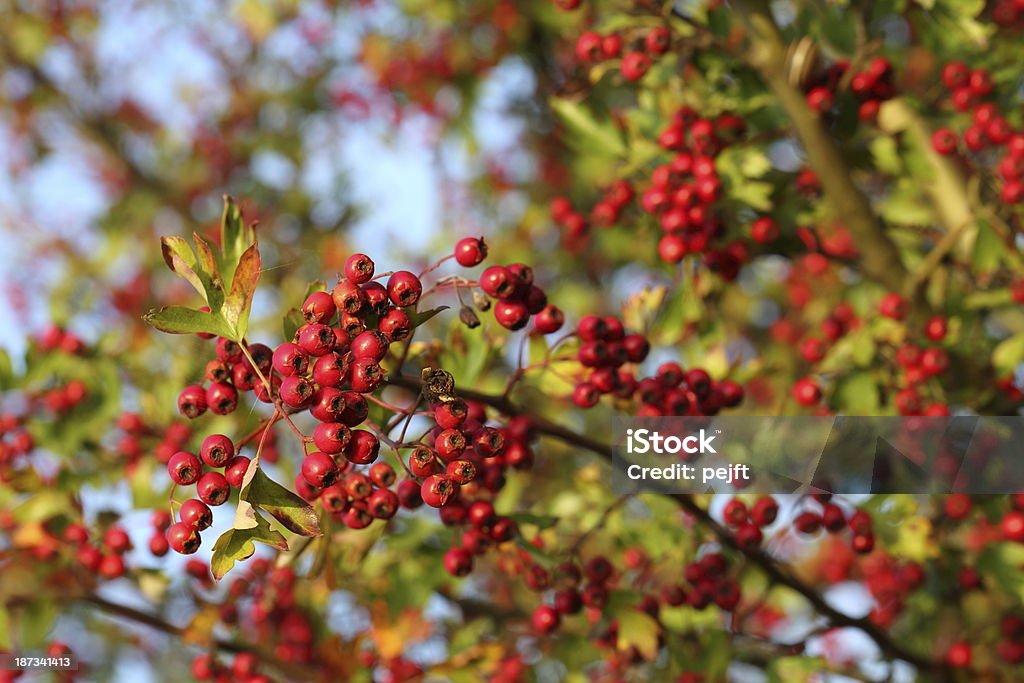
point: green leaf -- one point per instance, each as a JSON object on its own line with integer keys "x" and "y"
{"x": 235, "y": 237}
{"x": 638, "y": 629}
{"x": 419, "y": 317}
{"x": 857, "y": 394}
{"x": 243, "y": 286}
{"x": 591, "y": 135}
{"x": 1004, "y": 562}
{"x": 236, "y": 545}
{"x": 180, "y": 258}
{"x": 292, "y": 511}
{"x": 989, "y": 250}
{"x": 6, "y": 370}
{"x": 184, "y": 320}
{"x": 539, "y": 521}
{"x": 208, "y": 261}
{"x": 291, "y": 323}
{"x": 1008, "y": 354}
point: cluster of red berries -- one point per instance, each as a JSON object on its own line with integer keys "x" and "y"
{"x": 104, "y": 558}
{"x": 517, "y": 298}
{"x": 748, "y": 522}
{"x": 871, "y": 86}
{"x": 605, "y": 348}
{"x": 243, "y": 669}
{"x": 605, "y": 213}
{"x": 55, "y": 338}
{"x": 263, "y": 600}
{"x": 892, "y": 583}
{"x": 640, "y": 54}
{"x": 989, "y": 129}
{"x": 16, "y": 444}
{"x": 833, "y": 519}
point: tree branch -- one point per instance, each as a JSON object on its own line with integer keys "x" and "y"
{"x": 156, "y": 622}
{"x": 768, "y": 565}
{"x": 880, "y": 258}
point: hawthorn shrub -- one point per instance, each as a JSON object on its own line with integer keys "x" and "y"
{"x": 328, "y": 472}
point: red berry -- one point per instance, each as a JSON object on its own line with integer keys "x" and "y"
{"x": 196, "y": 514}
{"x": 404, "y": 289}
{"x": 764, "y": 229}
{"x": 806, "y": 392}
{"x": 348, "y": 297}
{"x": 319, "y": 469}
{"x": 235, "y": 469}
{"x": 290, "y": 359}
{"x": 546, "y": 619}
{"x": 359, "y": 268}
{"x": 371, "y": 346}
{"x": 362, "y": 448}
{"x": 316, "y": 339}
{"x": 498, "y": 281}
{"x": 318, "y": 308}
{"x": 458, "y": 562}
{"x": 1012, "y": 526}
{"x": 470, "y": 251}
{"x": 184, "y": 468}
{"x": 213, "y": 488}
{"x": 192, "y": 401}
{"x": 183, "y": 538}
{"x": 296, "y": 392}
{"x": 330, "y": 370}
{"x": 512, "y": 315}
{"x": 588, "y": 47}
{"x": 216, "y": 450}
{"x": 959, "y": 655}
{"x": 893, "y": 306}
{"x": 820, "y": 99}
{"x": 331, "y": 437}
{"x": 635, "y": 65}
{"x": 395, "y": 325}
{"x": 944, "y": 141}
{"x": 436, "y": 490}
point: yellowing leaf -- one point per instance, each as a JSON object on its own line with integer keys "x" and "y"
{"x": 637, "y": 629}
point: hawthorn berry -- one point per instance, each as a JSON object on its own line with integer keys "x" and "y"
{"x": 319, "y": 469}
{"x": 216, "y": 450}
{"x": 183, "y": 538}
{"x": 235, "y": 469}
{"x": 404, "y": 289}
{"x": 213, "y": 488}
{"x": 470, "y": 251}
{"x": 184, "y": 468}
{"x": 359, "y": 268}
{"x": 436, "y": 490}
{"x": 196, "y": 514}
{"x": 318, "y": 308}
{"x": 192, "y": 401}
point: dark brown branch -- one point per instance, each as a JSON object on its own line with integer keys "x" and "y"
{"x": 768, "y": 565}
{"x": 156, "y": 622}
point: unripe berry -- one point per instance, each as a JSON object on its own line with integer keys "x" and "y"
{"x": 359, "y": 268}
{"x": 470, "y": 251}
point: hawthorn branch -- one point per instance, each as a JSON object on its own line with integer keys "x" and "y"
{"x": 687, "y": 502}
{"x": 767, "y": 54}
{"x": 158, "y": 623}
